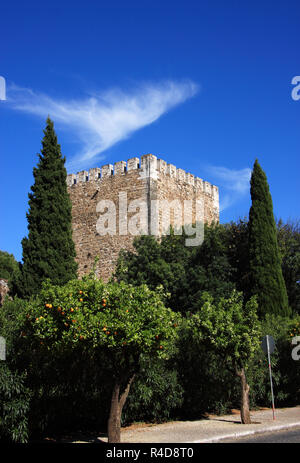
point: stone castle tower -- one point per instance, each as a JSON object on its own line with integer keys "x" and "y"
{"x": 109, "y": 204}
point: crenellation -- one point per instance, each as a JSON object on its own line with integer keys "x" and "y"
{"x": 199, "y": 183}
{"x": 125, "y": 184}
{"x": 148, "y": 163}
{"x": 181, "y": 175}
{"x": 161, "y": 166}
{"x": 71, "y": 179}
{"x": 190, "y": 178}
{"x": 94, "y": 174}
{"x": 171, "y": 170}
{"x": 215, "y": 194}
{"x": 148, "y": 160}
{"x": 120, "y": 168}
{"x": 208, "y": 188}
{"x": 133, "y": 164}
{"x": 83, "y": 176}
{"x": 107, "y": 170}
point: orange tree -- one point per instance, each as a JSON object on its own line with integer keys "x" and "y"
{"x": 116, "y": 322}
{"x": 231, "y": 329}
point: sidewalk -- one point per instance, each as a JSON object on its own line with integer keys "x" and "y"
{"x": 212, "y": 429}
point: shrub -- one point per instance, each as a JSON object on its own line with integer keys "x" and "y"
{"x": 14, "y": 406}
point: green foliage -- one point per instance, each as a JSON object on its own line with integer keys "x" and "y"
{"x": 8, "y": 265}
{"x": 69, "y": 343}
{"x": 71, "y": 391}
{"x": 208, "y": 386}
{"x": 238, "y": 254}
{"x": 14, "y": 406}
{"x": 15, "y": 396}
{"x": 11, "y": 323}
{"x": 266, "y": 279}
{"x": 156, "y": 394}
{"x": 228, "y": 327}
{"x": 106, "y": 327}
{"x": 285, "y": 370}
{"x": 184, "y": 272}
{"x": 289, "y": 246}
{"x": 218, "y": 266}
{"x": 230, "y": 330}
{"x": 48, "y": 251}
{"x": 209, "y": 268}
{"x": 72, "y": 341}
{"x": 115, "y": 317}
{"x": 157, "y": 264}
{"x": 288, "y": 368}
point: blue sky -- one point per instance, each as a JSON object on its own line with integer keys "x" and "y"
{"x": 204, "y": 85}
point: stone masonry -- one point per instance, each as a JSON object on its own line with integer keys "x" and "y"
{"x": 4, "y": 289}
{"x": 130, "y": 192}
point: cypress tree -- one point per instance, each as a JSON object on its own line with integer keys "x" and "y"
{"x": 266, "y": 279}
{"x": 48, "y": 251}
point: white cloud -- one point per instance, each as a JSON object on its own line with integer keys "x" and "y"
{"x": 103, "y": 119}
{"x": 234, "y": 183}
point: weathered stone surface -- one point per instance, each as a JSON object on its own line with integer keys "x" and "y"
{"x": 132, "y": 189}
{"x": 3, "y": 290}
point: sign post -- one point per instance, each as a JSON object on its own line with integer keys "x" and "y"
{"x": 268, "y": 346}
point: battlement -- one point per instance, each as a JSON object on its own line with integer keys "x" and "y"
{"x": 141, "y": 185}
{"x": 150, "y": 166}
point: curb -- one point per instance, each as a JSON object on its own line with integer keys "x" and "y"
{"x": 245, "y": 433}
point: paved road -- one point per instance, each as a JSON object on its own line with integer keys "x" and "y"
{"x": 288, "y": 436}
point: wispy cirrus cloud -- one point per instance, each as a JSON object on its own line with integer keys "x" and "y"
{"x": 105, "y": 118}
{"x": 234, "y": 183}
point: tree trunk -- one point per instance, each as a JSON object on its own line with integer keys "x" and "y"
{"x": 245, "y": 411}
{"x": 116, "y": 407}
{"x": 114, "y": 420}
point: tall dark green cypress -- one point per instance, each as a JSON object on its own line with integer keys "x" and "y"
{"x": 48, "y": 251}
{"x": 266, "y": 277}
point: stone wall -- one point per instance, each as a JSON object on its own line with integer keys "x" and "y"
{"x": 3, "y": 290}
{"x": 132, "y": 187}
